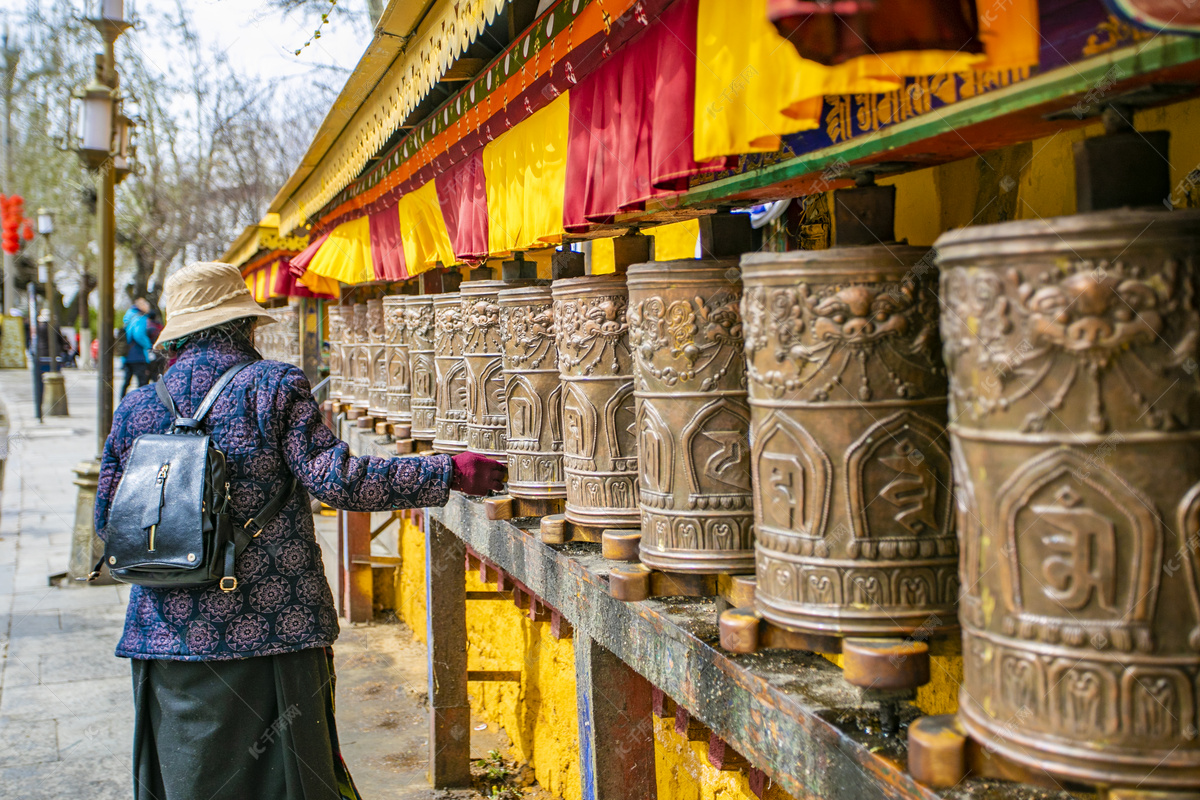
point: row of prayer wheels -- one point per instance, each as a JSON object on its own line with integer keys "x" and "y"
{"x": 786, "y": 415}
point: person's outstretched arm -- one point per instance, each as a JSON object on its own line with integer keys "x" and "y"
{"x": 323, "y": 464}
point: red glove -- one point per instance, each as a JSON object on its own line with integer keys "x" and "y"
{"x": 476, "y": 474}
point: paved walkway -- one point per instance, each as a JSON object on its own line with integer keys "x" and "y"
{"x": 65, "y": 701}
{"x": 66, "y": 707}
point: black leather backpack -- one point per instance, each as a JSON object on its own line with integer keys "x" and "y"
{"x": 169, "y": 524}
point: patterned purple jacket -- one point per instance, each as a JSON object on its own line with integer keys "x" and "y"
{"x": 267, "y": 423}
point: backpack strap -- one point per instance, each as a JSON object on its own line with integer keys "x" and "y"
{"x": 197, "y": 419}
{"x": 252, "y": 528}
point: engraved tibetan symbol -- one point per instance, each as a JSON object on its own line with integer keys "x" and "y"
{"x": 727, "y": 463}
{"x": 785, "y": 481}
{"x": 1079, "y": 553}
{"x": 913, "y": 490}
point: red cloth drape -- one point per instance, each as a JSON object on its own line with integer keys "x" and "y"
{"x": 299, "y": 263}
{"x": 287, "y": 286}
{"x": 833, "y": 33}
{"x": 631, "y": 124}
{"x": 462, "y": 196}
{"x": 387, "y": 251}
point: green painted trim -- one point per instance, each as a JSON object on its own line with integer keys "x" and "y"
{"x": 1159, "y": 53}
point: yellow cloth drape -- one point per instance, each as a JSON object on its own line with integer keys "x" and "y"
{"x": 526, "y": 174}
{"x": 672, "y": 242}
{"x": 676, "y": 241}
{"x": 346, "y": 254}
{"x": 319, "y": 284}
{"x": 423, "y": 231}
{"x": 272, "y": 279}
{"x": 260, "y": 285}
{"x": 250, "y": 284}
{"x": 752, "y": 88}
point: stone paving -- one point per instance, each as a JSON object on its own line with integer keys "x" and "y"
{"x": 66, "y": 716}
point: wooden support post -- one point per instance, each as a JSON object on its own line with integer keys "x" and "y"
{"x": 616, "y": 730}
{"x": 357, "y": 583}
{"x": 446, "y": 621}
{"x": 341, "y": 573}
{"x": 310, "y": 338}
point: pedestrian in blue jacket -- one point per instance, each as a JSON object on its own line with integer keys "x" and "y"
{"x": 137, "y": 336}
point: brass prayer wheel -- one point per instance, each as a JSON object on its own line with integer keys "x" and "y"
{"x": 360, "y": 358}
{"x": 281, "y": 341}
{"x": 596, "y": 368}
{"x": 451, "y": 374}
{"x": 851, "y": 466}
{"x": 1072, "y": 351}
{"x": 334, "y": 336}
{"x": 418, "y": 315}
{"x": 377, "y": 388}
{"x": 396, "y": 371}
{"x": 693, "y": 423}
{"x": 483, "y": 354}
{"x": 532, "y": 393}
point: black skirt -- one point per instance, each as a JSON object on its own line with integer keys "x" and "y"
{"x": 250, "y": 728}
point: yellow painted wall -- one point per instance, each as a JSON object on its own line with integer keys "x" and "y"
{"x": 410, "y": 589}
{"x": 682, "y": 771}
{"x": 539, "y": 712}
{"x": 1032, "y": 180}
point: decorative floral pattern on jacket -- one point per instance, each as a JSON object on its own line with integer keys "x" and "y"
{"x": 267, "y": 424}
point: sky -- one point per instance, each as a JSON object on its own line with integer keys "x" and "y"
{"x": 258, "y": 40}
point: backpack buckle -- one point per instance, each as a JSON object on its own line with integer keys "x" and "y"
{"x": 250, "y": 522}
{"x": 228, "y": 587}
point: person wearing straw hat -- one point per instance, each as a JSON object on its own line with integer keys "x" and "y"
{"x": 233, "y": 690}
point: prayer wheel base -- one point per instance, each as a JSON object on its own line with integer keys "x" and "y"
{"x": 509, "y": 507}
{"x": 638, "y": 582}
{"x": 879, "y": 663}
{"x": 620, "y": 545}
{"x": 557, "y": 529}
{"x": 942, "y": 753}
{"x": 366, "y": 422}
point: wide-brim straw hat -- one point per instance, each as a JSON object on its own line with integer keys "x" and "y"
{"x": 205, "y": 294}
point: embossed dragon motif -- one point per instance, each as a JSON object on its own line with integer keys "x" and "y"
{"x": 481, "y": 324}
{"x": 375, "y": 323}
{"x": 870, "y": 339}
{"x": 418, "y": 323}
{"x": 531, "y": 328}
{"x": 448, "y": 330}
{"x": 394, "y": 325}
{"x": 1092, "y": 325}
{"x": 592, "y": 330}
{"x": 697, "y": 332}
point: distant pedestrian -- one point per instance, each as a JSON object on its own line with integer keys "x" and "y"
{"x": 139, "y": 343}
{"x": 233, "y": 690}
{"x": 40, "y": 353}
{"x": 157, "y": 365}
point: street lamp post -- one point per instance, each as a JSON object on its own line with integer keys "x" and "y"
{"x": 54, "y": 391}
{"x": 100, "y": 138}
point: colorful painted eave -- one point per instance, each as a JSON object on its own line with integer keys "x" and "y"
{"x": 264, "y": 236}
{"x": 415, "y": 44}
